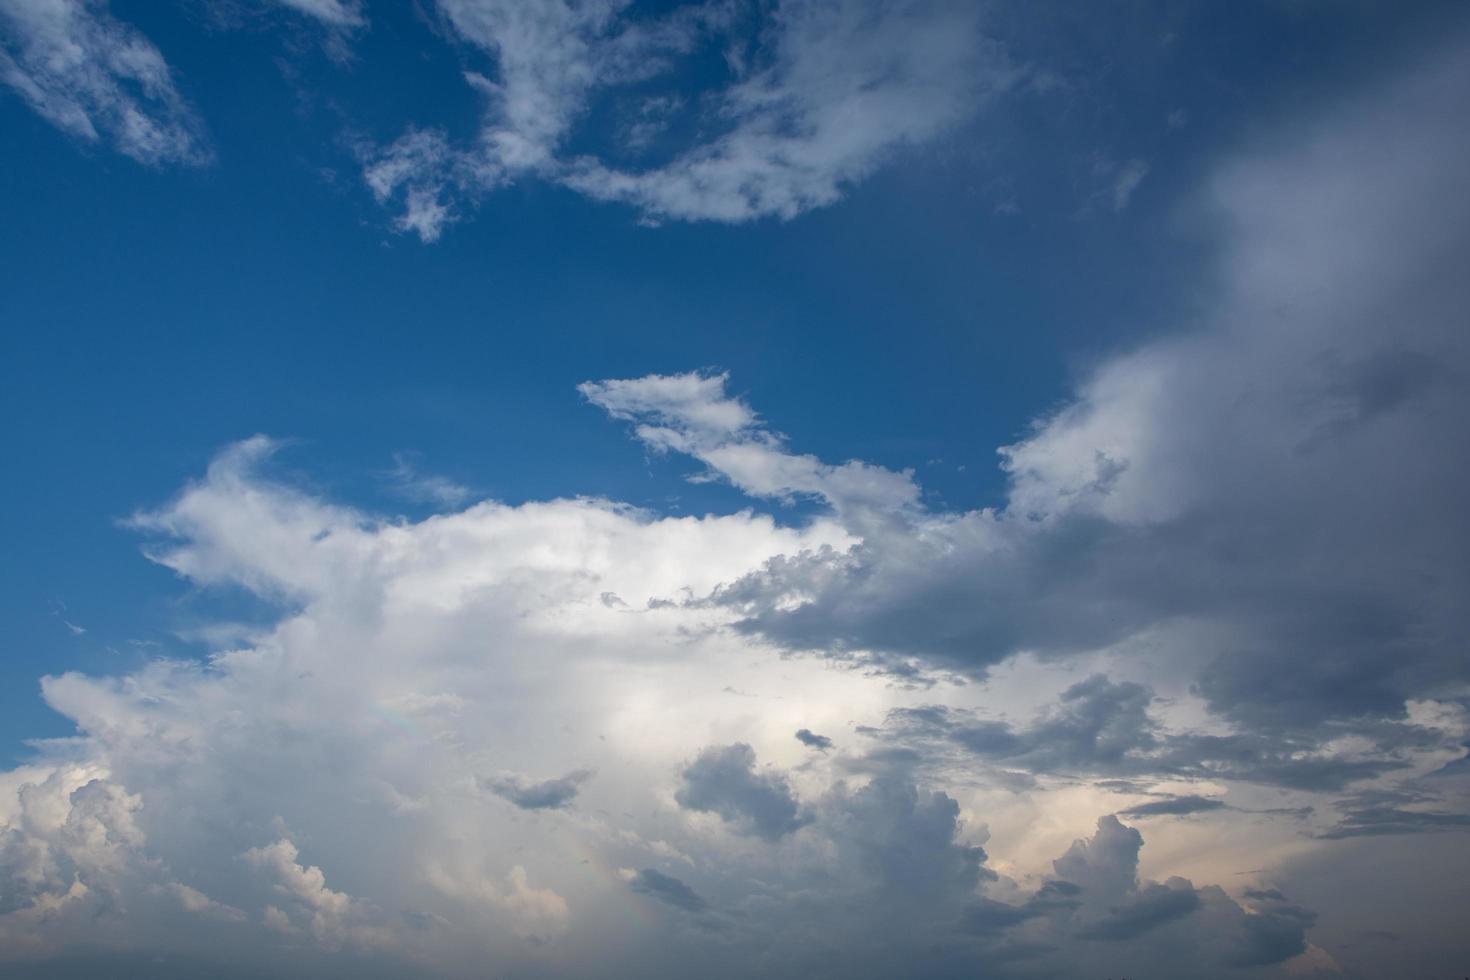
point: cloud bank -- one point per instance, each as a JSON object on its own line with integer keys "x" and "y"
{"x": 1221, "y": 601}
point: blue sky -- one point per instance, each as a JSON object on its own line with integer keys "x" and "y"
{"x": 1164, "y": 252}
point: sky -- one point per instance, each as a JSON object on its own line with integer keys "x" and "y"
{"x": 791, "y": 488}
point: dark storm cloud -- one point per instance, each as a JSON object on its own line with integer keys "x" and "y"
{"x": 723, "y": 780}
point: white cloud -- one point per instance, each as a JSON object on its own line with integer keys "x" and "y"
{"x": 335, "y": 13}
{"x": 1130, "y": 175}
{"x": 425, "y": 488}
{"x": 845, "y": 87}
{"x": 97, "y": 78}
{"x": 337, "y": 724}
{"x": 330, "y": 913}
{"x": 826, "y": 95}
{"x": 692, "y": 414}
{"x": 195, "y": 901}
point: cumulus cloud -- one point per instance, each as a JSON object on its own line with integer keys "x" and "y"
{"x": 305, "y": 888}
{"x": 310, "y": 779}
{"x": 723, "y": 780}
{"x": 97, "y": 78}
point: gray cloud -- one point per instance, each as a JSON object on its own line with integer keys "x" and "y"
{"x": 1100, "y": 727}
{"x": 667, "y": 889}
{"x": 548, "y": 794}
{"x": 723, "y": 780}
{"x": 1098, "y": 898}
{"x": 812, "y": 740}
{"x": 1175, "y": 806}
{"x": 1375, "y": 813}
{"x": 1150, "y": 907}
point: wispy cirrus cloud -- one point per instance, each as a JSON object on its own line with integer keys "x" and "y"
{"x": 98, "y": 79}
{"x": 817, "y": 97}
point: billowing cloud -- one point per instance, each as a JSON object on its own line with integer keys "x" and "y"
{"x": 723, "y": 780}
{"x": 1225, "y": 585}
{"x": 335, "y": 789}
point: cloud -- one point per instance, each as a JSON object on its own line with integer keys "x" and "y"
{"x": 311, "y": 778}
{"x": 844, "y": 87}
{"x": 667, "y": 889}
{"x": 904, "y": 841}
{"x": 812, "y": 740}
{"x": 334, "y": 13}
{"x": 1152, "y": 906}
{"x": 1220, "y": 490}
{"x": 1100, "y": 727}
{"x": 549, "y": 794}
{"x": 406, "y": 480}
{"x": 1380, "y": 812}
{"x": 693, "y": 414}
{"x": 195, "y": 901}
{"x": 1129, "y": 176}
{"x": 1096, "y": 908}
{"x": 817, "y": 97}
{"x": 1175, "y": 806}
{"x": 306, "y": 888}
{"x": 94, "y": 77}
{"x": 723, "y": 780}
